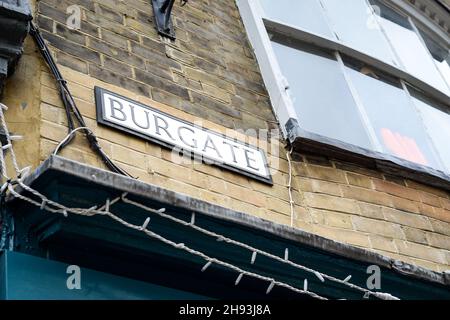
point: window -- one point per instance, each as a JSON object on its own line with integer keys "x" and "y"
{"x": 357, "y": 73}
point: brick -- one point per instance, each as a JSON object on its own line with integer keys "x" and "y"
{"x": 216, "y": 93}
{"x": 77, "y": 77}
{"x": 259, "y": 109}
{"x": 109, "y": 13}
{"x": 440, "y": 227}
{"x": 325, "y": 173}
{"x": 129, "y": 156}
{"x": 45, "y": 23}
{"x": 154, "y": 56}
{"x": 208, "y": 79}
{"x": 118, "y": 67}
{"x": 279, "y": 206}
{"x": 53, "y": 131}
{"x": 118, "y": 80}
{"x": 377, "y": 227}
{"x": 99, "y": 20}
{"x": 106, "y": 48}
{"x": 331, "y": 203}
{"x": 383, "y": 243}
{"x": 447, "y": 255}
{"x": 407, "y": 219}
{"x": 395, "y": 189}
{"x": 438, "y": 240}
{"x": 357, "y": 169}
{"x": 222, "y": 200}
{"x": 318, "y": 160}
{"x": 445, "y": 203}
{"x": 331, "y": 219}
{"x": 415, "y": 235}
{"x": 208, "y": 66}
{"x": 394, "y": 179}
{"x": 430, "y": 199}
{"x": 303, "y": 184}
{"x": 366, "y": 195}
{"x": 146, "y": 29}
{"x": 71, "y": 62}
{"x": 52, "y": 114}
{"x": 72, "y": 48}
{"x": 371, "y": 211}
{"x": 178, "y": 55}
{"x": 72, "y": 35}
{"x": 51, "y": 96}
{"x": 78, "y": 155}
{"x": 439, "y": 214}
{"x": 302, "y": 214}
{"x": 161, "y": 84}
{"x": 255, "y": 198}
{"x": 405, "y": 205}
{"x": 250, "y": 122}
{"x": 63, "y": 4}
{"x": 246, "y": 207}
{"x": 114, "y": 39}
{"x": 420, "y": 251}
{"x": 215, "y": 105}
{"x": 359, "y": 180}
{"x": 343, "y": 235}
{"x": 325, "y": 187}
{"x": 426, "y": 210}
{"x": 81, "y": 92}
{"x": 429, "y": 189}
{"x": 51, "y": 12}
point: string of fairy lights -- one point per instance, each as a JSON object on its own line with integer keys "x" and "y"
{"x": 51, "y": 206}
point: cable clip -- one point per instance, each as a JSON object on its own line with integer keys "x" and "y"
{"x": 206, "y": 266}
{"x": 253, "y": 257}
{"x": 239, "y": 278}
{"x": 271, "y": 285}
{"x": 43, "y": 204}
{"x": 318, "y": 275}
{"x": 5, "y": 186}
{"x": 146, "y": 222}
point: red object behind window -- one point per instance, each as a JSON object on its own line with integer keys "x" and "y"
{"x": 403, "y": 146}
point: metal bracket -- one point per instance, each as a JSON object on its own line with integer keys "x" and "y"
{"x": 15, "y": 17}
{"x": 162, "y": 10}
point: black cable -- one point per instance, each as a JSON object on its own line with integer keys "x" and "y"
{"x": 70, "y": 105}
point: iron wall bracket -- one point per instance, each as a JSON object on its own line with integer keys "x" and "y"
{"x": 15, "y": 16}
{"x": 162, "y": 10}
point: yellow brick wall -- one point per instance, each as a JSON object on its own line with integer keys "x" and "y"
{"x": 210, "y": 74}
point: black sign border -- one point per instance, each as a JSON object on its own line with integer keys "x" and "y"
{"x": 100, "y": 105}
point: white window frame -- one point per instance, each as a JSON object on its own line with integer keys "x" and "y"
{"x": 257, "y": 28}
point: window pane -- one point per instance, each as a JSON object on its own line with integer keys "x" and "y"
{"x": 413, "y": 54}
{"x": 304, "y": 14}
{"x": 356, "y": 26}
{"x": 437, "y": 123}
{"x": 320, "y": 94}
{"x": 440, "y": 55}
{"x": 392, "y": 115}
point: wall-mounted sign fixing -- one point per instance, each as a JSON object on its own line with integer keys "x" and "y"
{"x": 151, "y": 124}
